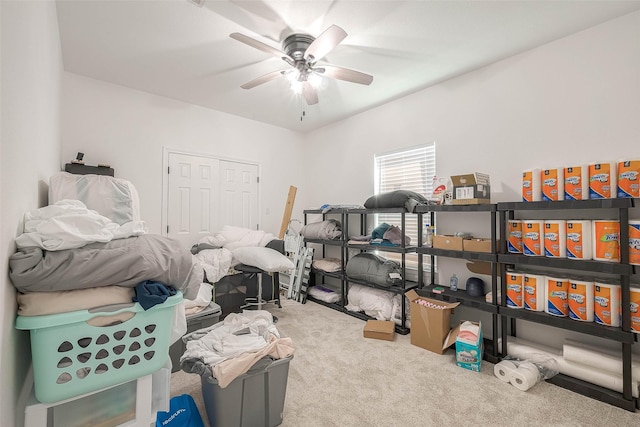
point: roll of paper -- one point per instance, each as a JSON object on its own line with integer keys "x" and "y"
{"x": 556, "y": 296}
{"x": 525, "y": 376}
{"x": 634, "y": 242}
{"x": 576, "y": 182}
{"x": 635, "y": 308}
{"x": 524, "y": 349}
{"x": 578, "y": 239}
{"x": 629, "y": 178}
{"x": 502, "y": 370}
{"x": 595, "y": 376}
{"x": 603, "y": 179}
{"x": 552, "y": 181}
{"x": 514, "y": 230}
{"x": 531, "y": 187}
{"x": 555, "y": 238}
{"x": 574, "y": 351}
{"x": 534, "y": 289}
{"x": 581, "y": 300}
{"x": 605, "y": 238}
{"x": 514, "y": 282}
{"x": 606, "y": 306}
{"x": 532, "y": 237}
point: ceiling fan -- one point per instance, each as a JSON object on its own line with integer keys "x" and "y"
{"x": 302, "y": 52}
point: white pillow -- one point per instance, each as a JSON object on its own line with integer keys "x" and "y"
{"x": 262, "y": 257}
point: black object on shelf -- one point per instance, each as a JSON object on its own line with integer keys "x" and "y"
{"x": 79, "y": 169}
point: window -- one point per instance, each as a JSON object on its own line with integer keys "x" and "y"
{"x": 407, "y": 169}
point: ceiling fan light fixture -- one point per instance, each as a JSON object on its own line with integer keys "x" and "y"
{"x": 296, "y": 87}
{"x": 314, "y": 80}
{"x": 292, "y": 75}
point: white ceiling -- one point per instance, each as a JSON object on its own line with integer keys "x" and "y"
{"x": 176, "y": 49}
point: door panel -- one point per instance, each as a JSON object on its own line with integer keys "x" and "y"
{"x": 239, "y": 183}
{"x": 205, "y": 193}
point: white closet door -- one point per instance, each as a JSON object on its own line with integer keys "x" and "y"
{"x": 239, "y": 194}
{"x": 204, "y": 193}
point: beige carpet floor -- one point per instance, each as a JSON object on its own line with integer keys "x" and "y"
{"x": 339, "y": 378}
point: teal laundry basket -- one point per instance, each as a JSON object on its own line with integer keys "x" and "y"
{"x": 71, "y": 356}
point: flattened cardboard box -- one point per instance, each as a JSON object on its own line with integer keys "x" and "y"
{"x": 380, "y": 329}
{"x": 471, "y": 189}
{"x": 430, "y": 326}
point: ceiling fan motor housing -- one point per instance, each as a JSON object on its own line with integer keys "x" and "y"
{"x": 296, "y": 45}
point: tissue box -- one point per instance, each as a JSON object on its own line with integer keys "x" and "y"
{"x": 468, "y": 354}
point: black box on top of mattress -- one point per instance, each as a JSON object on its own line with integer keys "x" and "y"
{"x": 79, "y": 169}
{"x": 203, "y": 319}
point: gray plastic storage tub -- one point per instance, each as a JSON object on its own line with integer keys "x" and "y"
{"x": 251, "y": 400}
{"x": 203, "y": 319}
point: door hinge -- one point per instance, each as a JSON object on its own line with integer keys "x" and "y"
{"x": 167, "y": 229}
{"x": 258, "y": 179}
{"x": 168, "y": 170}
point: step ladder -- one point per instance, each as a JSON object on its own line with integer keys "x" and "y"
{"x": 297, "y": 281}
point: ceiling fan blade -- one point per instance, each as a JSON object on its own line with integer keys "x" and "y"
{"x": 345, "y": 74}
{"x": 261, "y": 46}
{"x": 324, "y": 43}
{"x": 310, "y": 93}
{"x": 262, "y": 79}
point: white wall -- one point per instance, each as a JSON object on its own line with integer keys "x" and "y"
{"x": 29, "y": 153}
{"x": 128, "y": 129}
{"x": 574, "y": 100}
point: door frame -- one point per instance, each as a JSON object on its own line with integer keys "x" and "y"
{"x": 166, "y": 151}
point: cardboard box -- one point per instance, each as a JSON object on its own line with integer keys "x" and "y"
{"x": 380, "y": 329}
{"x": 468, "y": 354}
{"x": 471, "y": 189}
{"x": 442, "y": 241}
{"x": 430, "y": 324}
{"x": 477, "y": 245}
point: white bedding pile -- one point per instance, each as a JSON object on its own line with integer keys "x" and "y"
{"x": 231, "y": 237}
{"x": 215, "y": 262}
{"x": 382, "y": 305}
{"x": 69, "y": 224}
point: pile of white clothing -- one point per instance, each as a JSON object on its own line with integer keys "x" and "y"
{"x": 229, "y": 348}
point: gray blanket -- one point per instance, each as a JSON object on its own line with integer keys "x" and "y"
{"x": 122, "y": 262}
{"x": 326, "y": 230}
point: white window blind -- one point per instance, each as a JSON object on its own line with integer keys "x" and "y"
{"x": 407, "y": 169}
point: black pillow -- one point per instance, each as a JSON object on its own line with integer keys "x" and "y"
{"x": 396, "y": 199}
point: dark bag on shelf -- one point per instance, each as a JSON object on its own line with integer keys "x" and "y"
{"x": 374, "y": 269}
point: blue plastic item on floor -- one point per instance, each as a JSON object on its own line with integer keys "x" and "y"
{"x": 183, "y": 412}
